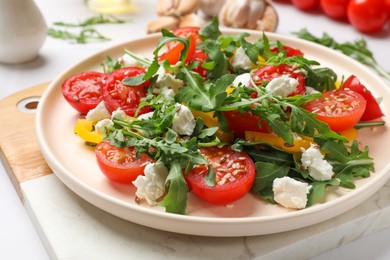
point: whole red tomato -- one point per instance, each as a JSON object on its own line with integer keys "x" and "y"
{"x": 368, "y": 16}
{"x": 388, "y": 7}
{"x": 336, "y": 9}
{"x": 306, "y": 4}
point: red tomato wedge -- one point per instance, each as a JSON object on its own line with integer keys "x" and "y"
{"x": 291, "y": 52}
{"x": 120, "y": 164}
{"x": 373, "y": 111}
{"x": 235, "y": 174}
{"x": 175, "y": 48}
{"x": 199, "y": 56}
{"x": 117, "y": 95}
{"x": 83, "y": 91}
{"x": 340, "y": 109}
{"x": 241, "y": 122}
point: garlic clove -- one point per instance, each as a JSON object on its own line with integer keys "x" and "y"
{"x": 256, "y": 12}
{"x": 191, "y": 20}
{"x": 166, "y": 7}
{"x": 167, "y": 22}
{"x": 270, "y": 20}
{"x": 187, "y": 6}
{"x": 211, "y": 8}
{"x": 176, "y": 7}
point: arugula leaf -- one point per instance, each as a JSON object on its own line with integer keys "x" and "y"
{"x": 215, "y": 55}
{"x": 317, "y": 190}
{"x": 348, "y": 162}
{"x": 110, "y": 64}
{"x": 86, "y": 33}
{"x": 200, "y": 96}
{"x": 99, "y": 19}
{"x": 84, "y": 36}
{"x": 210, "y": 30}
{"x": 175, "y": 201}
{"x": 356, "y": 50}
{"x": 266, "y": 173}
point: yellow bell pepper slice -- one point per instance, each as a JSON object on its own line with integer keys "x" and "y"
{"x": 84, "y": 129}
{"x": 278, "y": 142}
{"x": 351, "y": 134}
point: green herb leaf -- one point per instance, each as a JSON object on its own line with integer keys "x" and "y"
{"x": 356, "y": 50}
{"x": 175, "y": 201}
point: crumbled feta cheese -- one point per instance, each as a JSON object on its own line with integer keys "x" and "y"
{"x": 127, "y": 61}
{"x": 145, "y": 116}
{"x": 167, "y": 96}
{"x": 243, "y": 80}
{"x": 313, "y": 160}
{"x": 290, "y": 193}
{"x": 151, "y": 186}
{"x": 169, "y": 81}
{"x": 282, "y": 86}
{"x": 100, "y": 112}
{"x": 310, "y": 90}
{"x": 160, "y": 74}
{"x": 119, "y": 114}
{"x": 241, "y": 60}
{"x": 101, "y": 125}
{"x": 183, "y": 121}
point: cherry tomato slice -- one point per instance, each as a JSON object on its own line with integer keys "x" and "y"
{"x": 269, "y": 72}
{"x": 373, "y": 111}
{"x": 234, "y": 175}
{"x": 83, "y": 91}
{"x": 241, "y": 122}
{"x": 291, "y": 52}
{"x": 199, "y": 56}
{"x": 368, "y": 16}
{"x": 175, "y": 48}
{"x": 117, "y": 95}
{"x": 340, "y": 109}
{"x": 120, "y": 164}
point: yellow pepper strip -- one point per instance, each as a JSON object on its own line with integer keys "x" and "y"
{"x": 351, "y": 134}
{"x": 84, "y": 129}
{"x": 278, "y": 142}
{"x": 211, "y": 121}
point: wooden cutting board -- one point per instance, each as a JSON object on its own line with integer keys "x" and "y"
{"x": 19, "y": 149}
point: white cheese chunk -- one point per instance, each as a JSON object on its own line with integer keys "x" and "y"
{"x": 183, "y": 121}
{"x": 310, "y": 90}
{"x": 169, "y": 81}
{"x": 241, "y": 60}
{"x": 119, "y": 114}
{"x": 100, "y": 112}
{"x": 243, "y": 80}
{"x": 151, "y": 185}
{"x": 313, "y": 160}
{"x": 101, "y": 125}
{"x": 127, "y": 61}
{"x": 160, "y": 74}
{"x": 282, "y": 86}
{"x": 145, "y": 116}
{"x": 290, "y": 193}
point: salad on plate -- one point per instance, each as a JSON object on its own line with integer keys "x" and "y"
{"x": 221, "y": 116}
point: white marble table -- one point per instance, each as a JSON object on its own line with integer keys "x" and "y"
{"x": 61, "y": 226}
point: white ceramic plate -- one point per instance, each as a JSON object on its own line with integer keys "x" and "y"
{"x": 74, "y": 163}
